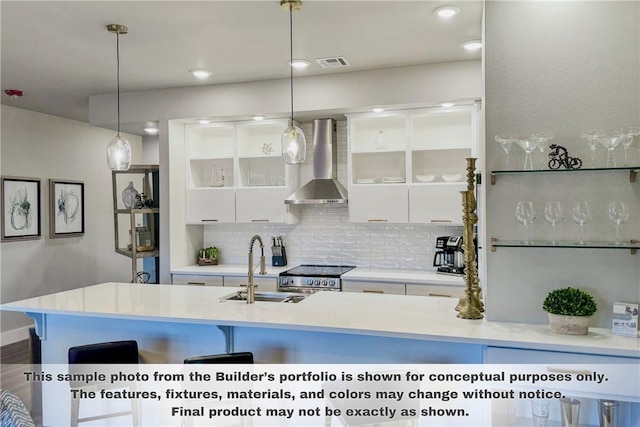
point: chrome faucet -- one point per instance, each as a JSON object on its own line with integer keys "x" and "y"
{"x": 251, "y": 291}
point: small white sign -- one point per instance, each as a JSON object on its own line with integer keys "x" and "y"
{"x": 625, "y": 319}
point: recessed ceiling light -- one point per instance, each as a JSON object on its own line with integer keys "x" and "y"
{"x": 151, "y": 130}
{"x": 472, "y": 45}
{"x": 204, "y": 121}
{"x": 299, "y": 63}
{"x": 258, "y": 117}
{"x": 446, "y": 11}
{"x": 377, "y": 109}
{"x": 201, "y": 74}
{"x": 446, "y": 104}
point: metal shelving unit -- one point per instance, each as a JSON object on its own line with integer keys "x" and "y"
{"x": 129, "y": 217}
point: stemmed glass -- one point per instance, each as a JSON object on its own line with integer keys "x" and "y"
{"x": 619, "y": 214}
{"x": 506, "y": 142}
{"x": 525, "y": 214}
{"x": 629, "y": 133}
{"x": 581, "y": 215}
{"x": 591, "y": 136}
{"x": 554, "y": 214}
{"x": 528, "y": 145}
{"x": 610, "y": 140}
{"x": 542, "y": 138}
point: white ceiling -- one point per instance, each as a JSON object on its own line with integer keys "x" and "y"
{"x": 60, "y": 53}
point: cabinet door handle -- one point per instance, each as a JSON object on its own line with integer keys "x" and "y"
{"x": 195, "y": 283}
{"x": 568, "y": 371}
{"x": 259, "y": 220}
{"x": 448, "y": 221}
{"x": 439, "y": 295}
{"x": 377, "y": 220}
{"x": 209, "y": 220}
{"x": 373, "y": 291}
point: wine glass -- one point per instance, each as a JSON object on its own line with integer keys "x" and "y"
{"x": 619, "y": 214}
{"x": 528, "y": 145}
{"x": 591, "y": 136}
{"x": 542, "y": 139}
{"x": 610, "y": 140}
{"x": 581, "y": 215}
{"x": 506, "y": 142}
{"x": 629, "y": 133}
{"x": 525, "y": 214}
{"x": 553, "y": 214}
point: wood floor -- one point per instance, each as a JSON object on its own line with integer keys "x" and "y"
{"x": 14, "y": 361}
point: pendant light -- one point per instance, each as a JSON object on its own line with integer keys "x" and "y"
{"x": 118, "y": 149}
{"x": 294, "y": 144}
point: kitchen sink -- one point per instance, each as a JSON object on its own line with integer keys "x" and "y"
{"x": 284, "y": 297}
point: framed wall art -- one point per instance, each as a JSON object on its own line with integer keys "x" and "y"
{"x": 20, "y": 208}
{"x": 66, "y": 208}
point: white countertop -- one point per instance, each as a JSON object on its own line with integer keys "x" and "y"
{"x": 357, "y": 274}
{"x": 400, "y": 316}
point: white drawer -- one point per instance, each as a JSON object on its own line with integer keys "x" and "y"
{"x": 265, "y": 284}
{"x": 191, "y": 279}
{"x": 435, "y": 290}
{"x": 373, "y": 287}
{"x": 621, "y": 381}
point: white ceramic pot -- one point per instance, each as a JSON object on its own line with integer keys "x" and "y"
{"x": 569, "y": 325}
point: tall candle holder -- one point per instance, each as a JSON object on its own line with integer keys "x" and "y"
{"x": 470, "y": 305}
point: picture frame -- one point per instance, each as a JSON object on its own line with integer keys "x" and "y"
{"x": 20, "y": 208}
{"x": 66, "y": 208}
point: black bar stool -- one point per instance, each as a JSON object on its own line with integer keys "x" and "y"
{"x": 106, "y": 353}
{"x": 244, "y": 358}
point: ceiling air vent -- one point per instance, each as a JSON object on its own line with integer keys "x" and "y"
{"x": 333, "y": 62}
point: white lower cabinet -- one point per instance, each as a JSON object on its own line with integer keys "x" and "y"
{"x": 373, "y": 287}
{"x": 262, "y": 204}
{"x": 439, "y": 203}
{"x": 264, "y": 284}
{"x": 379, "y": 203}
{"x": 198, "y": 280}
{"x": 622, "y": 384}
{"x": 210, "y": 205}
{"x": 435, "y": 290}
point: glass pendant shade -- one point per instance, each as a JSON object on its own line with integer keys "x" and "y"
{"x": 294, "y": 145}
{"x": 119, "y": 154}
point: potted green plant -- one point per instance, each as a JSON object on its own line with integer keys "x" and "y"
{"x": 569, "y": 310}
{"x": 208, "y": 256}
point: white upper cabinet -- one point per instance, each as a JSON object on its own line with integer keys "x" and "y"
{"x": 235, "y": 173}
{"x": 411, "y": 162}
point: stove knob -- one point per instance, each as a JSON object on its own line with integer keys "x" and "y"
{"x": 316, "y": 282}
{"x": 324, "y": 283}
{"x": 309, "y": 282}
{"x": 332, "y": 283}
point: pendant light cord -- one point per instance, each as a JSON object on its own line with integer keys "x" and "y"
{"x": 291, "y": 57}
{"x": 118, "y": 76}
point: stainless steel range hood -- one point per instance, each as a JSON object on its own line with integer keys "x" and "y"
{"x": 324, "y": 187}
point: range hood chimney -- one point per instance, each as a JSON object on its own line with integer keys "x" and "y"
{"x": 324, "y": 187}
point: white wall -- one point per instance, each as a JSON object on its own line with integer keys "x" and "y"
{"x": 341, "y": 91}
{"x": 43, "y": 146}
{"x": 565, "y": 67}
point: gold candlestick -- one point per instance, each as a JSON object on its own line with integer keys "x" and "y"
{"x": 470, "y": 305}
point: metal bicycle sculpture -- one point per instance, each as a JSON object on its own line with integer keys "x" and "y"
{"x": 560, "y": 157}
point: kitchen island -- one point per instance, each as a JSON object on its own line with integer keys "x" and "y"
{"x": 171, "y": 322}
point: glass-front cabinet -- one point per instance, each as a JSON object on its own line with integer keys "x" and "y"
{"x": 414, "y": 158}
{"x": 236, "y": 173}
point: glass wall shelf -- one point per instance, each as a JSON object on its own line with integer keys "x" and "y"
{"x": 633, "y": 171}
{"x": 632, "y": 245}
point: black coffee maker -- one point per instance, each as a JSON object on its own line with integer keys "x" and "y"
{"x": 449, "y": 257}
